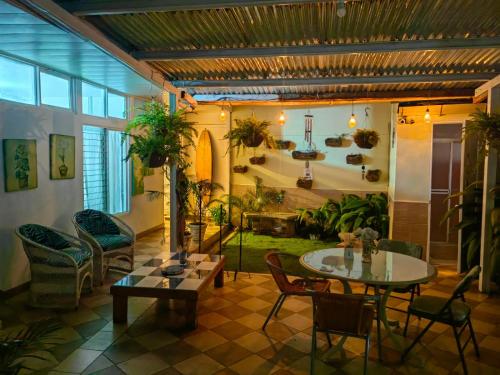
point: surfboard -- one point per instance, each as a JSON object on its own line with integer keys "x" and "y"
{"x": 203, "y": 164}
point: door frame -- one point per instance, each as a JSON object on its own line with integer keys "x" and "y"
{"x": 462, "y": 154}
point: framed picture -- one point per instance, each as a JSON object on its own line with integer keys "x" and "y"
{"x": 62, "y": 157}
{"x": 20, "y": 165}
{"x": 137, "y": 176}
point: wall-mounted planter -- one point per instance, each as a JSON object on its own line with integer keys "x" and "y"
{"x": 283, "y": 145}
{"x": 373, "y": 175}
{"x": 305, "y": 155}
{"x": 365, "y": 138}
{"x": 240, "y": 169}
{"x": 258, "y": 160}
{"x": 304, "y": 183}
{"x": 334, "y": 141}
{"x": 354, "y": 159}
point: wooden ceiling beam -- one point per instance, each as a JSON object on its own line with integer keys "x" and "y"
{"x": 109, "y": 7}
{"x": 320, "y": 49}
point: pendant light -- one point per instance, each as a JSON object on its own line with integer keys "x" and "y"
{"x": 427, "y": 116}
{"x": 352, "y": 121}
{"x": 222, "y": 114}
{"x": 282, "y": 118}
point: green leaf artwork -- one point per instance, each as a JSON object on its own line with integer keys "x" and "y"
{"x": 20, "y": 165}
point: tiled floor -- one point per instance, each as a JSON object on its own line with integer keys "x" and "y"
{"x": 229, "y": 339}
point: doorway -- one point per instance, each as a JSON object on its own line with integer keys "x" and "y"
{"x": 445, "y": 180}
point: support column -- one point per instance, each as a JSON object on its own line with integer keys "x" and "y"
{"x": 173, "y": 183}
{"x": 489, "y": 181}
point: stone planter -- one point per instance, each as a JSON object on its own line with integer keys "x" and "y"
{"x": 354, "y": 159}
{"x": 258, "y": 160}
{"x": 197, "y": 232}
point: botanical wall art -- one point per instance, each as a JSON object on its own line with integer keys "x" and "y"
{"x": 62, "y": 157}
{"x": 137, "y": 175}
{"x": 20, "y": 168}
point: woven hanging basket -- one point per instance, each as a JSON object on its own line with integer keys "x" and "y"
{"x": 258, "y": 160}
{"x": 334, "y": 142}
{"x": 305, "y": 155}
{"x": 354, "y": 159}
{"x": 304, "y": 183}
{"x": 373, "y": 175}
{"x": 240, "y": 169}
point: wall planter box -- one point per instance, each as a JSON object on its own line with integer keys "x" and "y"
{"x": 258, "y": 160}
{"x": 305, "y": 155}
{"x": 283, "y": 145}
{"x": 373, "y": 175}
{"x": 304, "y": 183}
{"x": 365, "y": 138}
{"x": 354, "y": 159}
{"x": 240, "y": 169}
{"x": 334, "y": 141}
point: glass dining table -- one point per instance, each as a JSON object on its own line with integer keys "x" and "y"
{"x": 386, "y": 269}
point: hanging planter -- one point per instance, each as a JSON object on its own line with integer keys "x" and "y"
{"x": 258, "y": 160}
{"x": 304, "y": 183}
{"x": 305, "y": 155}
{"x": 249, "y": 132}
{"x": 373, "y": 175}
{"x": 240, "y": 169}
{"x": 366, "y": 138}
{"x": 155, "y": 160}
{"x": 253, "y": 141}
{"x": 334, "y": 141}
{"x": 283, "y": 145}
{"x": 354, "y": 159}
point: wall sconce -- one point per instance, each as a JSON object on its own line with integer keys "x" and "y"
{"x": 427, "y": 116}
{"x": 282, "y": 118}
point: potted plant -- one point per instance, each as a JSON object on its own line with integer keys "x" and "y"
{"x": 240, "y": 169}
{"x": 354, "y": 159}
{"x": 335, "y": 141}
{"x": 305, "y": 155}
{"x": 160, "y": 137}
{"x": 249, "y": 132}
{"x": 304, "y": 183}
{"x": 218, "y": 214}
{"x": 486, "y": 127}
{"x": 63, "y": 168}
{"x": 283, "y": 145}
{"x": 319, "y": 221}
{"x": 22, "y": 167}
{"x": 258, "y": 160}
{"x": 373, "y": 175}
{"x": 202, "y": 194}
{"x": 366, "y": 138}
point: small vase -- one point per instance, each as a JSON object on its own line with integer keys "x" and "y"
{"x": 367, "y": 252}
{"x": 63, "y": 170}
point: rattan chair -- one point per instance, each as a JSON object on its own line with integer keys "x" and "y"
{"x": 342, "y": 314}
{"x": 452, "y": 311}
{"x": 297, "y": 287}
{"x": 111, "y": 239}
{"x": 60, "y": 264}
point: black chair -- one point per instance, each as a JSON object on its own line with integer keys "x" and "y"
{"x": 452, "y": 311}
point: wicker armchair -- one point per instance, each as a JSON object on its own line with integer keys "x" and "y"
{"x": 111, "y": 239}
{"x": 60, "y": 264}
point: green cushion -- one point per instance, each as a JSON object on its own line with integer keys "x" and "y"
{"x": 429, "y": 306}
{"x": 96, "y": 222}
{"x": 81, "y": 256}
{"x": 44, "y": 236}
{"x": 113, "y": 241}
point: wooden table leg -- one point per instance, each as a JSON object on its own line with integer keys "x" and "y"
{"x": 191, "y": 314}
{"x": 120, "y": 306}
{"x": 219, "y": 279}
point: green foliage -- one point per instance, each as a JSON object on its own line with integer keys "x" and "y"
{"x": 495, "y": 245}
{"x": 158, "y": 132}
{"x": 366, "y": 138}
{"x": 22, "y": 166}
{"x": 202, "y": 192}
{"x": 219, "y": 216}
{"x": 350, "y": 213}
{"x": 17, "y": 347}
{"x": 471, "y": 207}
{"x": 486, "y": 127}
{"x": 247, "y": 131}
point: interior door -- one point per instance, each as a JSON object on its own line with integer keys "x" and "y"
{"x": 446, "y": 177}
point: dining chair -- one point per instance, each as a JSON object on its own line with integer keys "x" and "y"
{"x": 406, "y": 248}
{"x": 298, "y": 287}
{"x": 453, "y": 311}
{"x": 342, "y": 314}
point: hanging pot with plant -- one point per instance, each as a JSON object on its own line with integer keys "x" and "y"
{"x": 366, "y": 138}
{"x": 304, "y": 155}
{"x": 304, "y": 183}
{"x": 334, "y": 142}
{"x": 283, "y": 145}
{"x": 354, "y": 159}
{"x": 249, "y": 132}
{"x": 258, "y": 160}
{"x": 240, "y": 169}
{"x": 373, "y": 175}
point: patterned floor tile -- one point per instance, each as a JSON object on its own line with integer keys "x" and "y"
{"x": 254, "y": 365}
{"x": 146, "y": 364}
{"x": 199, "y": 365}
{"x": 205, "y": 340}
{"x": 228, "y": 353}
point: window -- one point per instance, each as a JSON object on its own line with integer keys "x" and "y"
{"x": 55, "y": 90}
{"x": 117, "y": 106}
{"x": 93, "y": 100}
{"x": 106, "y": 175}
{"x": 17, "y": 81}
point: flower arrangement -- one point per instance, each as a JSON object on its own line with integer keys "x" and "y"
{"x": 368, "y": 236}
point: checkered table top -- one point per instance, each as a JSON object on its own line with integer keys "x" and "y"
{"x": 197, "y": 269}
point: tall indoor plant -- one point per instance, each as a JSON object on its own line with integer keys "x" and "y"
{"x": 161, "y": 139}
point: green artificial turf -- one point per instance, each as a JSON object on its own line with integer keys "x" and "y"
{"x": 256, "y": 246}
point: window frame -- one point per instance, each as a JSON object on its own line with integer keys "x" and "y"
{"x": 36, "y": 83}
{"x": 127, "y": 104}
{"x": 105, "y": 116}
{"x": 71, "y": 91}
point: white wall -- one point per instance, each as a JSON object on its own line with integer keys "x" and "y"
{"x": 54, "y": 201}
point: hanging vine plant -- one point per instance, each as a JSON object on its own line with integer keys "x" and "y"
{"x": 366, "y": 138}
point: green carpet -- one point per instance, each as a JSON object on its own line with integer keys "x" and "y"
{"x": 256, "y": 246}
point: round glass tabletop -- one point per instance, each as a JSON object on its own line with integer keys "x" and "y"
{"x": 386, "y": 268}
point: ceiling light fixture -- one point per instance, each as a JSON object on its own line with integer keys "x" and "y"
{"x": 341, "y": 11}
{"x": 352, "y": 121}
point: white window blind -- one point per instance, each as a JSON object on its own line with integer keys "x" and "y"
{"x": 106, "y": 174}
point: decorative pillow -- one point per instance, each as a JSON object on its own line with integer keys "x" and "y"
{"x": 96, "y": 222}
{"x": 43, "y": 236}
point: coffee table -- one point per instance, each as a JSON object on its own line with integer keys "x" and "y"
{"x": 148, "y": 281}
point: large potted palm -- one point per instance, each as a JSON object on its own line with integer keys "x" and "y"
{"x": 161, "y": 139}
